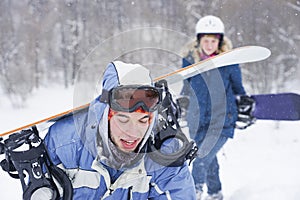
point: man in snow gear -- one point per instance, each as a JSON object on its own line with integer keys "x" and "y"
{"x": 105, "y": 149}
{"x": 214, "y": 96}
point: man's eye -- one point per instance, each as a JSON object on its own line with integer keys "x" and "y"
{"x": 144, "y": 120}
{"x": 123, "y": 119}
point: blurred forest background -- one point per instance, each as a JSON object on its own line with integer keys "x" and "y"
{"x": 45, "y": 42}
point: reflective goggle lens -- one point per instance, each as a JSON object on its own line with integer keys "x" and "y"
{"x": 130, "y": 98}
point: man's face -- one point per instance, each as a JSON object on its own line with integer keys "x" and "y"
{"x": 209, "y": 44}
{"x": 127, "y": 130}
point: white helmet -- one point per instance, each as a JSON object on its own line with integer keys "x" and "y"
{"x": 209, "y": 24}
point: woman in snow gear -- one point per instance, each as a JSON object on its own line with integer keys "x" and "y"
{"x": 212, "y": 101}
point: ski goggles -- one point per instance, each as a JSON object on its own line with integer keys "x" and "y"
{"x": 130, "y": 98}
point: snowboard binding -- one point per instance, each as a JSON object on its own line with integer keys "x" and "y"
{"x": 246, "y": 106}
{"x": 168, "y": 129}
{"x": 33, "y": 166}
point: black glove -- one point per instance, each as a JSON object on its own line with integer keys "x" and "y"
{"x": 246, "y": 106}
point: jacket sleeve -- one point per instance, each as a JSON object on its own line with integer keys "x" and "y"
{"x": 50, "y": 143}
{"x": 236, "y": 80}
{"x": 173, "y": 183}
{"x": 62, "y": 143}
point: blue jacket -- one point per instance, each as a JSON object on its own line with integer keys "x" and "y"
{"x": 213, "y": 99}
{"x": 72, "y": 145}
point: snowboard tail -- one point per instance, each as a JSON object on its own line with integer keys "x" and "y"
{"x": 282, "y": 106}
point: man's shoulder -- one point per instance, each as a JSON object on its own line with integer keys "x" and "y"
{"x": 66, "y": 128}
{"x": 70, "y": 119}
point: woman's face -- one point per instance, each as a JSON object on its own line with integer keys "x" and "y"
{"x": 127, "y": 130}
{"x": 209, "y": 44}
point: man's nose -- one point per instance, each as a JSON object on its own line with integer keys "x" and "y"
{"x": 133, "y": 130}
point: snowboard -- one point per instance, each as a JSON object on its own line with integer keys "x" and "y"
{"x": 282, "y": 106}
{"x": 239, "y": 55}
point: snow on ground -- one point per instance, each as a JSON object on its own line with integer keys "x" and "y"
{"x": 260, "y": 163}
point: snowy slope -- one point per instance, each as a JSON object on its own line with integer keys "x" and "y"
{"x": 260, "y": 163}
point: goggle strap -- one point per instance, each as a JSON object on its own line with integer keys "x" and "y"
{"x": 104, "y": 96}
